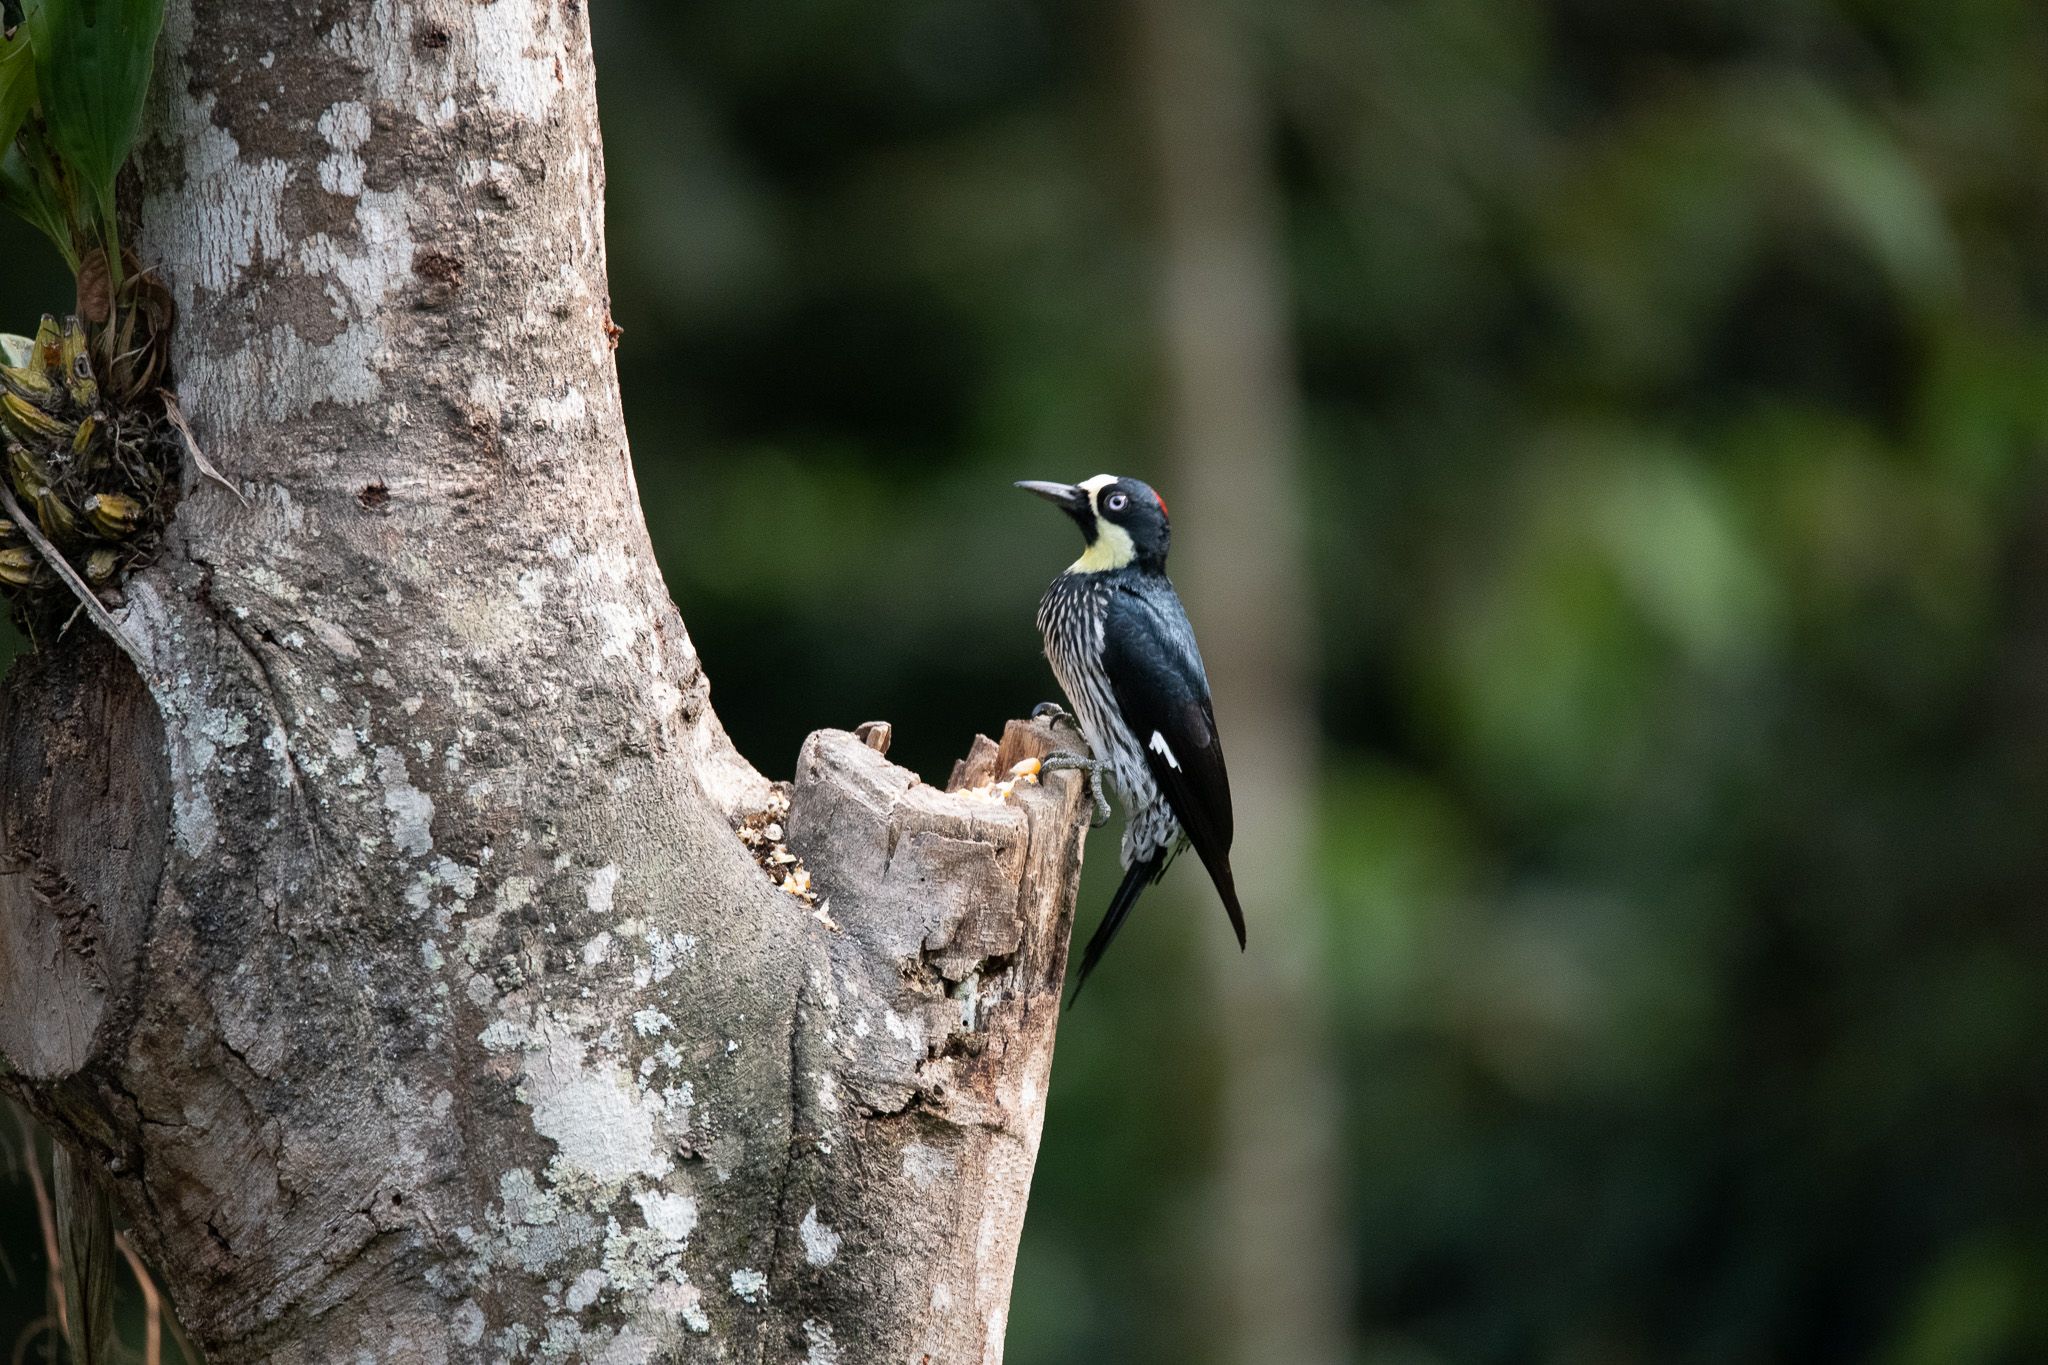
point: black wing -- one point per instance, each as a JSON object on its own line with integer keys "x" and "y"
{"x": 1156, "y": 675}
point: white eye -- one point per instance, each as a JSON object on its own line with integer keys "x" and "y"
{"x": 1116, "y": 502}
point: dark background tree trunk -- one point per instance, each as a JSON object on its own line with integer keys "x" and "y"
{"x": 1278, "y": 1256}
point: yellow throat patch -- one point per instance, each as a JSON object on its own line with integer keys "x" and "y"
{"x": 1112, "y": 547}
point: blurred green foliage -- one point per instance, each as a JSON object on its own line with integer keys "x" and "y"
{"x": 1674, "y": 392}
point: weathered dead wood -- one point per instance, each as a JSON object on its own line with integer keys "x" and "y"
{"x": 83, "y": 827}
{"x": 926, "y": 1044}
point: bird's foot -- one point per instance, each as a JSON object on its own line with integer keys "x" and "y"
{"x": 1093, "y": 767}
{"x": 1052, "y": 713}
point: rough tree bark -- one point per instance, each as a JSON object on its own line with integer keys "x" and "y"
{"x": 387, "y": 937}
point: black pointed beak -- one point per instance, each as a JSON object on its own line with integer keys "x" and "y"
{"x": 1065, "y": 495}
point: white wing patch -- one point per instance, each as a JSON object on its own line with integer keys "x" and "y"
{"x": 1164, "y": 750}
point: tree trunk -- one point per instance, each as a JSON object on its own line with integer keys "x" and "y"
{"x": 1280, "y": 1259}
{"x": 388, "y": 937}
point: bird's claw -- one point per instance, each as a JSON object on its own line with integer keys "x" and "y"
{"x": 1052, "y": 713}
{"x": 1092, "y": 770}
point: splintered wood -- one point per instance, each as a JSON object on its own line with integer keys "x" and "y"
{"x": 762, "y": 833}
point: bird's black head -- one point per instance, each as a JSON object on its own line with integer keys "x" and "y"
{"x": 1123, "y": 521}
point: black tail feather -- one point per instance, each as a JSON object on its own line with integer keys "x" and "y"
{"x": 1140, "y": 876}
{"x": 1217, "y": 862}
{"x": 1226, "y": 887}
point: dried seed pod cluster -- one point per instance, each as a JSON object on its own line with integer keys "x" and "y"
{"x": 88, "y": 453}
{"x": 86, "y": 425}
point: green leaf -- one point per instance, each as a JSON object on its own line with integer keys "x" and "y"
{"x": 17, "y": 84}
{"x": 16, "y": 351}
{"x": 24, "y": 190}
{"x": 92, "y": 63}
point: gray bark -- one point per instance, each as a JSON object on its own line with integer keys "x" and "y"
{"x": 1279, "y": 1254}
{"x": 387, "y": 936}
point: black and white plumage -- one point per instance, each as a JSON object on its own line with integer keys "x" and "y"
{"x": 1121, "y": 646}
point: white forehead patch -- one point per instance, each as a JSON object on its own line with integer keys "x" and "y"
{"x": 1096, "y": 485}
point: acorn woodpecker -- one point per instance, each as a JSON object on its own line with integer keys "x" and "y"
{"x": 1120, "y": 644}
